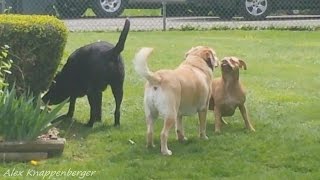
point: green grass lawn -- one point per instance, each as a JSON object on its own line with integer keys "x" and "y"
{"x": 283, "y": 100}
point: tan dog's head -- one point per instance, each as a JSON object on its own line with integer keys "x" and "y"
{"x": 231, "y": 66}
{"x": 205, "y": 53}
{"x": 232, "y": 63}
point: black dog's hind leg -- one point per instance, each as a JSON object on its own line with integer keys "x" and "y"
{"x": 117, "y": 91}
{"x": 72, "y": 103}
{"x": 95, "y": 101}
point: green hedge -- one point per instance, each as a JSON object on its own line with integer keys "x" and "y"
{"x": 36, "y": 48}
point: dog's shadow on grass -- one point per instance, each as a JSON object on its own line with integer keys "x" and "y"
{"x": 230, "y": 128}
{"x": 73, "y": 129}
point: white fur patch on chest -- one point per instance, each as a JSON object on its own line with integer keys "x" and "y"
{"x": 229, "y": 99}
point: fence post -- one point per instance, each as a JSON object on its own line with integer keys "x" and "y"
{"x": 164, "y": 15}
{"x": 3, "y": 6}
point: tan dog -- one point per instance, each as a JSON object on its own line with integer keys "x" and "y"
{"x": 228, "y": 93}
{"x": 175, "y": 93}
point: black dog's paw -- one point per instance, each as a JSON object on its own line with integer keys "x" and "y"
{"x": 66, "y": 116}
{"x": 90, "y": 124}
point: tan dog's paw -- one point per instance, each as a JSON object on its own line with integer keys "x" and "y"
{"x": 217, "y": 131}
{"x": 203, "y": 136}
{"x": 249, "y": 127}
{"x": 182, "y": 139}
{"x": 166, "y": 152}
{"x": 150, "y": 146}
{"x": 180, "y": 136}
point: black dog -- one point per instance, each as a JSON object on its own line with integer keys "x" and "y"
{"x": 88, "y": 71}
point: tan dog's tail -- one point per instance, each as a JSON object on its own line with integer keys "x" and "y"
{"x": 141, "y": 66}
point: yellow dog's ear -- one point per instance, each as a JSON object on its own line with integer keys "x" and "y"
{"x": 242, "y": 64}
{"x": 217, "y": 63}
{"x": 209, "y": 58}
{"x": 187, "y": 53}
{"x": 213, "y": 57}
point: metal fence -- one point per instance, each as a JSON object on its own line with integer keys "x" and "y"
{"x": 167, "y": 14}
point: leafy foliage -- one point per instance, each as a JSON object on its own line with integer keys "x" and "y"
{"x": 5, "y": 65}
{"x": 21, "y": 117}
{"x": 36, "y": 47}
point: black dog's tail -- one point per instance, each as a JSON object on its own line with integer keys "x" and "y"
{"x": 122, "y": 39}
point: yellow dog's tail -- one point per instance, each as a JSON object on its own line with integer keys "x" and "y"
{"x": 141, "y": 66}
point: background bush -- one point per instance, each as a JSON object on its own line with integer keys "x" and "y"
{"x": 36, "y": 47}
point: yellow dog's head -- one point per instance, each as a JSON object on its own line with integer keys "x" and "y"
{"x": 205, "y": 53}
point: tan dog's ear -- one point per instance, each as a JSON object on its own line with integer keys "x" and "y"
{"x": 230, "y": 61}
{"x": 242, "y": 64}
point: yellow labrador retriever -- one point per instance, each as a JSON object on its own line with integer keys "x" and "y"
{"x": 228, "y": 93}
{"x": 175, "y": 93}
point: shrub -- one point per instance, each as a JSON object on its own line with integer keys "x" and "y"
{"x": 36, "y": 47}
{"x": 21, "y": 117}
